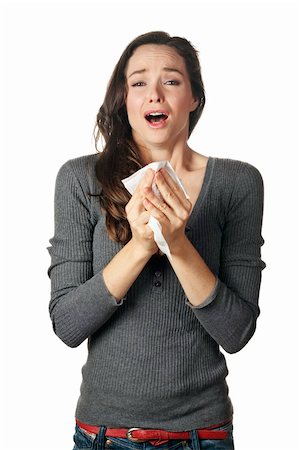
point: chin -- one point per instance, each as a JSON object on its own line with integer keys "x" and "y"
{"x": 158, "y": 143}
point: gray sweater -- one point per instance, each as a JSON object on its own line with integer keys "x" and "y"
{"x": 153, "y": 359}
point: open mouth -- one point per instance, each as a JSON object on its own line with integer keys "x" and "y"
{"x": 156, "y": 117}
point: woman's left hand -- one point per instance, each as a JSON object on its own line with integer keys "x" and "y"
{"x": 172, "y": 211}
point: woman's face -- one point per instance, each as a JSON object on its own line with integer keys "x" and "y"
{"x": 159, "y": 96}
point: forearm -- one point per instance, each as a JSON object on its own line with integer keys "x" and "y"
{"x": 226, "y": 316}
{"x": 78, "y": 313}
{"x": 229, "y": 319}
{"x": 195, "y": 277}
{"x": 124, "y": 268}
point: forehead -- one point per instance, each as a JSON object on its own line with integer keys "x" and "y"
{"x": 152, "y": 55}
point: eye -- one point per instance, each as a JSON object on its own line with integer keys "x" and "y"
{"x": 172, "y": 82}
{"x": 138, "y": 84}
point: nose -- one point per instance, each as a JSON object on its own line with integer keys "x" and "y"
{"x": 156, "y": 94}
{"x": 155, "y": 99}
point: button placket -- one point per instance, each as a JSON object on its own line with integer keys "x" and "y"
{"x": 157, "y": 279}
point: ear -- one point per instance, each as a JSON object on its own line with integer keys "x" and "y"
{"x": 194, "y": 104}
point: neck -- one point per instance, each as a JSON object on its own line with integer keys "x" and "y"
{"x": 179, "y": 156}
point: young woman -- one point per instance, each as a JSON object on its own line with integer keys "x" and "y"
{"x": 155, "y": 376}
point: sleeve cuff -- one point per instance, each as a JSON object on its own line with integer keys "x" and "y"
{"x": 209, "y": 299}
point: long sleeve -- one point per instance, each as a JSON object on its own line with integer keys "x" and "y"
{"x": 230, "y": 314}
{"x": 80, "y": 302}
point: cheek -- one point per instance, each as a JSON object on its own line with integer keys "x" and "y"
{"x": 184, "y": 101}
{"x": 185, "y": 109}
{"x": 132, "y": 106}
{"x": 133, "y": 100}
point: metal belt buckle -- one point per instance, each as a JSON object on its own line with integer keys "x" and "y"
{"x": 131, "y": 438}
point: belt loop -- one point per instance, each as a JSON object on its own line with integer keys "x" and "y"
{"x": 100, "y": 439}
{"x": 195, "y": 440}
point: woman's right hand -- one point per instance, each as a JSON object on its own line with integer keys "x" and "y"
{"x": 123, "y": 269}
{"x": 138, "y": 217}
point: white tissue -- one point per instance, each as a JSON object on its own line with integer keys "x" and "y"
{"x": 131, "y": 184}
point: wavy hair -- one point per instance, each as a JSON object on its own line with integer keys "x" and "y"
{"x": 120, "y": 157}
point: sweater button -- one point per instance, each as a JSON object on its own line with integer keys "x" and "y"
{"x": 157, "y": 283}
{"x": 158, "y": 274}
{"x": 187, "y": 229}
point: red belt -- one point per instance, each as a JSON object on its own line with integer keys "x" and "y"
{"x": 141, "y": 435}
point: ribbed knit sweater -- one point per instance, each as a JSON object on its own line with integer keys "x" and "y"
{"x": 154, "y": 360}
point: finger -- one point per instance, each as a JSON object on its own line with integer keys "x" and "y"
{"x": 143, "y": 218}
{"x": 140, "y": 226}
{"x": 146, "y": 180}
{"x": 134, "y": 205}
{"x": 138, "y": 195}
{"x": 156, "y": 206}
{"x": 173, "y": 194}
{"x": 175, "y": 187}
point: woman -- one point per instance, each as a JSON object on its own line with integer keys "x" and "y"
{"x": 155, "y": 376}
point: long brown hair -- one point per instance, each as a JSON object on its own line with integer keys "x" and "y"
{"x": 120, "y": 157}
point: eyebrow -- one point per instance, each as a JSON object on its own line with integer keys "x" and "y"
{"x": 165, "y": 69}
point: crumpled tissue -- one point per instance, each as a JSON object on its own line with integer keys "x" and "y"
{"x": 131, "y": 184}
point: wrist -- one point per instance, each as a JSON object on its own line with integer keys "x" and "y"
{"x": 178, "y": 245}
{"x": 139, "y": 251}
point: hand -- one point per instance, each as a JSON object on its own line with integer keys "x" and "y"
{"x": 138, "y": 216}
{"x": 172, "y": 210}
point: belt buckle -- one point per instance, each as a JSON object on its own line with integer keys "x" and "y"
{"x": 131, "y": 438}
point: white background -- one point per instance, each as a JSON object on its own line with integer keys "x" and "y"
{"x": 57, "y": 58}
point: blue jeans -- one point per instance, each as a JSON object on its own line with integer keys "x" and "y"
{"x": 84, "y": 441}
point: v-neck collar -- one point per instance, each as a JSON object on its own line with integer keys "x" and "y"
{"x": 204, "y": 188}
